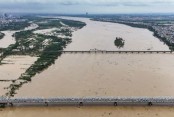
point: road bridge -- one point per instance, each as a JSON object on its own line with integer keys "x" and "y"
{"x": 119, "y": 52}
{"x": 88, "y": 101}
{"x": 95, "y": 52}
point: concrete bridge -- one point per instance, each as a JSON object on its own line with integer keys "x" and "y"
{"x": 119, "y": 52}
{"x": 88, "y": 101}
{"x": 98, "y": 52}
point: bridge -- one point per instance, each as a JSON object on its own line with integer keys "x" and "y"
{"x": 118, "y": 52}
{"x": 88, "y": 101}
{"x": 97, "y": 52}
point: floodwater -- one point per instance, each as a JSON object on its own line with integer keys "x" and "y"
{"x": 79, "y": 75}
{"x": 12, "y": 68}
{"x": 105, "y": 74}
{"x": 45, "y": 31}
{"x": 8, "y": 39}
{"x": 101, "y": 35}
{"x": 3, "y": 91}
{"x": 88, "y": 112}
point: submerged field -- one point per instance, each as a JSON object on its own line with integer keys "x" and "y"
{"x": 31, "y": 42}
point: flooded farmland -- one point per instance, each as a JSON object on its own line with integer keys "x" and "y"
{"x": 8, "y": 39}
{"x": 81, "y": 75}
{"x": 14, "y": 66}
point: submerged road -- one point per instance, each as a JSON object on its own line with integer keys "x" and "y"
{"x": 88, "y": 101}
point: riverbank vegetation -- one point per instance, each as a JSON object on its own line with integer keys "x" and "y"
{"x": 46, "y": 47}
{"x": 119, "y": 42}
{"x": 72, "y": 23}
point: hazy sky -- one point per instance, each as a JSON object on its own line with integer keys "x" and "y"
{"x": 90, "y": 6}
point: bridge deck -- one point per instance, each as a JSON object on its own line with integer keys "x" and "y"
{"x": 120, "y": 52}
{"x": 98, "y": 52}
{"x": 89, "y": 101}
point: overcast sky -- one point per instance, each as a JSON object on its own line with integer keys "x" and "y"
{"x": 90, "y": 6}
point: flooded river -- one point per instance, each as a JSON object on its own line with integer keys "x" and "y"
{"x": 106, "y": 74}
{"x": 88, "y": 112}
{"x": 82, "y": 75}
{"x": 101, "y": 35}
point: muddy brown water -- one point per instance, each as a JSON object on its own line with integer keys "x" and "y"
{"x": 81, "y": 75}
{"x": 88, "y": 112}
{"x": 106, "y": 74}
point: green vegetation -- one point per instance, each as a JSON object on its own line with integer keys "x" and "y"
{"x": 46, "y": 24}
{"x": 119, "y": 42}
{"x": 14, "y": 26}
{"x": 66, "y": 32}
{"x": 71, "y": 23}
{"x": 2, "y": 35}
{"x": 46, "y": 47}
{"x": 7, "y": 52}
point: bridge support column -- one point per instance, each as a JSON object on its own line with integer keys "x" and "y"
{"x": 11, "y": 104}
{"x": 150, "y": 104}
{"x": 46, "y": 103}
{"x": 115, "y": 104}
{"x": 80, "y": 103}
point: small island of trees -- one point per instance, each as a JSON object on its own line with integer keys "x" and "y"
{"x": 119, "y": 42}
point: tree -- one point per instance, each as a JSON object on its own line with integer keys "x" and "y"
{"x": 119, "y": 42}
